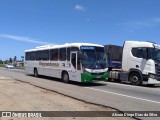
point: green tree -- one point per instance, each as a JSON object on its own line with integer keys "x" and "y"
{"x": 10, "y": 60}
{"x": 1, "y": 62}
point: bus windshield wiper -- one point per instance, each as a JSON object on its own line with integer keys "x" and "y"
{"x": 94, "y": 64}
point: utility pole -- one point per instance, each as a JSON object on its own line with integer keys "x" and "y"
{"x": 15, "y": 61}
{"x": 10, "y": 60}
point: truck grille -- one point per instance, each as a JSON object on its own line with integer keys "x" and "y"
{"x": 158, "y": 78}
{"x": 157, "y": 67}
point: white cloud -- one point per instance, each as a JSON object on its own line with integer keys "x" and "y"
{"x": 138, "y": 24}
{"x": 23, "y": 39}
{"x": 148, "y": 23}
{"x": 157, "y": 20}
{"x": 79, "y": 8}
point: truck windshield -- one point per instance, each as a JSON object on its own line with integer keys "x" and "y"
{"x": 155, "y": 54}
{"x": 93, "y": 57}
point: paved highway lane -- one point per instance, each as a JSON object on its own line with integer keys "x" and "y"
{"x": 144, "y": 93}
{"x": 120, "y": 96}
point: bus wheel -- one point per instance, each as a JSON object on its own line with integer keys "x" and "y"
{"x": 65, "y": 77}
{"x": 135, "y": 78}
{"x": 35, "y": 72}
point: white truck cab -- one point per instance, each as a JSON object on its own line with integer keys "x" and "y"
{"x": 140, "y": 63}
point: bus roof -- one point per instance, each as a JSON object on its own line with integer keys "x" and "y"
{"x": 61, "y": 46}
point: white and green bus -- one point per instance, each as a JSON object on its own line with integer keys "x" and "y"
{"x": 81, "y": 62}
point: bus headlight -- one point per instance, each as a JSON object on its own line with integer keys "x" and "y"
{"x": 85, "y": 71}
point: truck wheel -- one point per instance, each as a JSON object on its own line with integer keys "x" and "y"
{"x": 35, "y": 72}
{"x": 135, "y": 78}
{"x": 65, "y": 77}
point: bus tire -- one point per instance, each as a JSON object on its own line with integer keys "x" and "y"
{"x": 35, "y": 72}
{"x": 135, "y": 78}
{"x": 65, "y": 77}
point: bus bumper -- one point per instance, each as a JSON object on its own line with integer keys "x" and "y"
{"x": 86, "y": 77}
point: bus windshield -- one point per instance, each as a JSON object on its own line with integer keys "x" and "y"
{"x": 155, "y": 54}
{"x": 93, "y": 57}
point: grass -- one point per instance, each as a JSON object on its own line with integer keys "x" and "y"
{"x": 1, "y": 65}
{"x": 21, "y": 67}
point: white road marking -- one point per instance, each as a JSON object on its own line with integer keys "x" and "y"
{"x": 124, "y": 95}
{"x": 157, "y": 88}
{"x": 121, "y": 84}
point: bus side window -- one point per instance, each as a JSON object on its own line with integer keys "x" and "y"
{"x": 62, "y": 54}
{"x": 27, "y": 56}
{"x": 38, "y": 55}
{"x": 54, "y": 54}
{"x": 68, "y": 53}
{"x": 33, "y": 55}
{"x": 45, "y": 55}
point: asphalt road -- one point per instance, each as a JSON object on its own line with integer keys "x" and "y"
{"x": 123, "y": 97}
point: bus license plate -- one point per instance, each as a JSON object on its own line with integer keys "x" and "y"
{"x": 98, "y": 76}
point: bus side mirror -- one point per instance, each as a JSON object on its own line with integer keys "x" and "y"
{"x": 80, "y": 56}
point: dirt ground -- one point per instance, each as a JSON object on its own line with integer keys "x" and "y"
{"x": 19, "y": 96}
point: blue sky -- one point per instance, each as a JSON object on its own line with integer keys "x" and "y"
{"x": 25, "y": 24}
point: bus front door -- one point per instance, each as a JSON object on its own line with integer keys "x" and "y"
{"x": 75, "y": 74}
